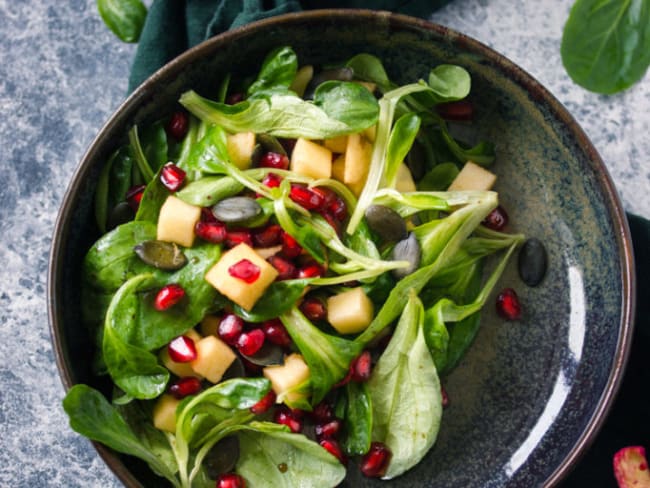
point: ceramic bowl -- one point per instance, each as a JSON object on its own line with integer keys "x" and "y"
{"x": 530, "y": 395}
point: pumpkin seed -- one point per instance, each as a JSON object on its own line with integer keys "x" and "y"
{"x": 235, "y": 370}
{"x": 236, "y": 209}
{"x": 269, "y": 354}
{"x": 386, "y": 223}
{"x": 161, "y": 254}
{"x": 407, "y": 250}
{"x": 532, "y": 262}
{"x": 222, "y": 457}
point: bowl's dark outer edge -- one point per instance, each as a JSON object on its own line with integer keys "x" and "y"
{"x": 127, "y": 109}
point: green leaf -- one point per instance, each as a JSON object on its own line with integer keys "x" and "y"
{"x": 209, "y": 190}
{"x": 347, "y": 102}
{"x": 277, "y": 72}
{"x": 606, "y": 43}
{"x": 399, "y": 144}
{"x": 278, "y": 298}
{"x": 367, "y": 67}
{"x": 153, "y": 198}
{"x": 154, "y": 145}
{"x": 357, "y": 419}
{"x": 125, "y": 18}
{"x": 405, "y": 392}
{"x": 439, "y": 178}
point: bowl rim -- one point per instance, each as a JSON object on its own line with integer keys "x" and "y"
{"x": 518, "y": 75}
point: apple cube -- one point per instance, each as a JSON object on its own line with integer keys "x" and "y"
{"x": 164, "y": 413}
{"x": 213, "y": 358}
{"x": 404, "y": 182}
{"x": 287, "y": 376}
{"x": 239, "y": 291}
{"x": 370, "y": 133}
{"x": 210, "y": 325}
{"x": 180, "y": 369}
{"x": 473, "y": 177}
{"x": 176, "y": 221}
{"x": 311, "y": 159}
{"x": 357, "y": 159}
{"x": 350, "y": 311}
{"x": 336, "y": 144}
{"x": 240, "y": 148}
{"x": 338, "y": 167}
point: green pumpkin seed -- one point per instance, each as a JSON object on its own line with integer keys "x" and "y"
{"x": 222, "y": 457}
{"x": 407, "y": 250}
{"x": 235, "y": 210}
{"x": 386, "y": 223}
{"x": 161, "y": 254}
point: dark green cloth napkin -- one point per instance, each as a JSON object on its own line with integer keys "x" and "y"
{"x": 173, "y": 26}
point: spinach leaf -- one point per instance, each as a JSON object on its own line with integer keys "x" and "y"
{"x": 482, "y": 153}
{"x": 448, "y": 83}
{"x": 278, "y": 298}
{"x": 112, "y": 185}
{"x": 265, "y": 452}
{"x": 439, "y": 178}
{"x": 405, "y": 392}
{"x": 92, "y": 416}
{"x": 606, "y": 43}
{"x": 125, "y": 18}
{"x": 357, "y": 419}
{"x": 347, "y": 102}
{"x": 153, "y": 198}
{"x": 277, "y": 72}
{"x": 142, "y": 164}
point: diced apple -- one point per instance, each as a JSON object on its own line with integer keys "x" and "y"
{"x": 176, "y": 221}
{"x": 350, "y": 311}
{"x": 239, "y": 291}
{"x": 357, "y": 159}
{"x": 338, "y": 167}
{"x": 473, "y": 177}
{"x": 164, "y": 413}
{"x": 302, "y": 79}
{"x": 311, "y": 159}
{"x": 404, "y": 182}
{"x": 210, "y": 325}
{"x": 368, "y": 85}
{"x": 287, "y": 376}
{"x": 180, "y": 369}
{"x": 240, "y": 148}
{"x": 336, "y": 144}
{"x": 213, "y": 358}
{"x": 370, "y": 133}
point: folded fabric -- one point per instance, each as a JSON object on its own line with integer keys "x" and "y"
{"x": 174, "y": 26}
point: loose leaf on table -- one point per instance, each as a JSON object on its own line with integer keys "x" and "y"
{"x": 125, "y": 18}
{"x": 277, "y": 72}
{"x": 606, "y": 43}
{"x": 405, "y": 392}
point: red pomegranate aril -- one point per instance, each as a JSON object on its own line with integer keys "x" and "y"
{"x": 250, "y": 342}
{"x": 275, "y": 332}
{"x": 274, "y": 160}
{"x": 214, "y": 232}
{"x": 234, "y": 98}
{"x": 272, "y": 180}
{"x": 338, "y": 209}
{"x": 460, "y": 110}
{"x": 333, "y": 221}
{"x": 264, "y": 404}
{"x": 375, "y": 461}
{"x": 305, "y": 197}
{"x": 230, "y": 328}
{"x": 286, "y": 270}
{"x": 314, "y": 309}
{"x": 134, "y": 196}
{"x": 230, "y": 480}
{"x": 361, "y": 367}
{"x": 346, "y": 379}
{"x": 182, "y": 349}
{"x": 172, "y": 177}
{"x": 177, "y": 126}
{"x": 236, "y": 237}
{"x": 333, "y": 447}
{"x": 328, "y": 429}
{"x": 445, "y": 397}
{"x": 497, "y": 219}
{"x": 245, "y": 270}
{"x": 168, "y": 296}
{"x": 508, "y": 305}
{"x": 310, "y": 271}
{"x": 322, "y": 413}
{"x": 188, "y": 385}
{"x": 269, "y": 236}
{"x": 290, "y": 247}
{"x": 284, "y": 416}
{"x": 207, "y": 215}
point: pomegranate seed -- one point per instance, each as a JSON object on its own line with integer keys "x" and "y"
{"x": 305, "y": 197}
{"x": 177, "y": 126}
{"x": 275, "y": 332}
{"x": 290, "y": 247}
{"x": 168, "y": 296}
{"x": 286, "y": 270}
{"x": 376, "y": 460}
{"x": 445, "y": 397}
{"x": 236, "y": 237}
{"x": 182, "y": 349}
{"x": 250, "y": 342}
{"x": 497, "y": 219}
{"x": 322, "y": 413}
{"x": 333, "y": 221}
{"x": 134, "y": 196}
{"x": 272, "y": 180}
{"x": 314, "y": 309}
{"x": 188, "y": 385}
{"x": 230, "y": 328}
{"x": 328, "y": 430}
{"x": 274, "y": 160}
{"x": 297, "y": 413}
{"x": 264, "y": 404}
{"x": 460, "y": 110}
{"x": 333, "y": 447}
{"x": 288, "y": 144}
{"x": 245, "y": 271}
{"x": 310, "y": 271}
{"x": 508, "y": 305}
{"x": 230, "y": 480}
{"x": 269, "y": 236}
{"x": 346, "y": 379}
{"x": 234, "y": 98}
{"x": 361, "y": 367}
{"x": 211, "y": 231}
{"x": 326, "y": 194}
{"x": 172, "y": 177}
{"x": 338, "y": 209}
{"x": 286, "y": 417}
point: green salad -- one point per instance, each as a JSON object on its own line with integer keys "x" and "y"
{"x": 286, "y": 271}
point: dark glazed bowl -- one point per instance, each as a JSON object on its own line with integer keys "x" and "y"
{"x": 530, "y": 395}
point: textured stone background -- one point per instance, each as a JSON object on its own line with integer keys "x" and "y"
{"x": 62, "y": 74}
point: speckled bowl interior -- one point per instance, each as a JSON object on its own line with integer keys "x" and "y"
{"x": 529, "y": 395}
